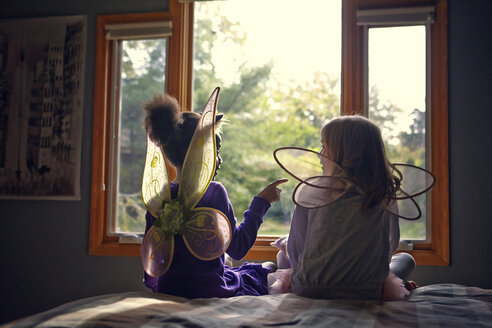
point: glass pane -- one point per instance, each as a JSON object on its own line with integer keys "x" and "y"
{"x": 143, "y": 70}
{"x": 397, "y": 89}
{"x": 278, "y": 65}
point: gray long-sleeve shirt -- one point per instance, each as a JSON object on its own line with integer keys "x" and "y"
{"x": 340, "y": 251}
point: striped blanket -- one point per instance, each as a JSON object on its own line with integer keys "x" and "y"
{"x": 441, "y": 305}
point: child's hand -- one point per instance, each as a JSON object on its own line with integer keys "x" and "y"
{"x": 411, "y": 285}
{"x": 271, "y": 192}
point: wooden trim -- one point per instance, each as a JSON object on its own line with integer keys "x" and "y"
{"x": 262, "y": 249}
{"x": 180, "y": 62}
{"x": 99, "y": 136}
{"x": 179, "y": 84}
{"x": 436, "y": 252}
{"x": 439, "y": 135}
{"x": 179, "y": 69}
{"x": 352, "y": 61}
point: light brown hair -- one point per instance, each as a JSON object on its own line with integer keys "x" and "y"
{"x": 356, "y": 145}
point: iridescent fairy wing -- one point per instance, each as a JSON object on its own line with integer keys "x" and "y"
{"x": 300, "y": 163}
{"x": 208, "y": 233}
{"x": 199, "y": 164}
{"x": 155, "y": 180}
{"x": 156, "y": 252}
{"x": 414, "y": 182}
{"x": 321, "y": 181}
{"x": 318, "y": 191}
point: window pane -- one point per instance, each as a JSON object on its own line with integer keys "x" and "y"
{"x": 278, "y": 65}
{"x": 143, "y": 70}
{"x": 397, "y": 89}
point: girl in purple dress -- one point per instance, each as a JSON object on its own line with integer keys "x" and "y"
{"x": 187, "y": 275}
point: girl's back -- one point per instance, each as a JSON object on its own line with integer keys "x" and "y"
{"x": 341, "y": 251}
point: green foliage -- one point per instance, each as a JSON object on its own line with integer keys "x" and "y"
{"x": 263, "y": 113}
{"x": 141, "y": 78}
{"x": 131, "y": 214}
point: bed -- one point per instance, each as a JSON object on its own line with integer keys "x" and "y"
{"x": 440, "y": 305}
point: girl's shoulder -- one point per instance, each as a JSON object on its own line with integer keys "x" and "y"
{"x": 216, "y": 197}
{"x": 217, "y": 190}
{"x": 216, "y": 186}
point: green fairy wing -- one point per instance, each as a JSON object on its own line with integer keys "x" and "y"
{"x": 199, "y": 164}
{"x": 206, "y": 231}
{"x": 155, "y": 181}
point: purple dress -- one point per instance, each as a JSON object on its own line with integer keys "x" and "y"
{"x": 192, "y": 278}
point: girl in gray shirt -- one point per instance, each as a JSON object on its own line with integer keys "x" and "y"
{"x": 343, "y": 248}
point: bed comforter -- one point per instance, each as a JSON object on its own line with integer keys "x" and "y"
{"x": 441, "y": 305}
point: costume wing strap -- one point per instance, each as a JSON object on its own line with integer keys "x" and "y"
{"x": 199, "y": 164}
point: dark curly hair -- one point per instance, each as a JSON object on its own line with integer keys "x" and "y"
{"x": 168, "y": 127}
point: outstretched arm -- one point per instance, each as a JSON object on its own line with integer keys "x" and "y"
{"x": 244, "y": 236}
{"x": 272, "y": 192}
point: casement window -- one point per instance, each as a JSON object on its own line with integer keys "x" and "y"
{"x": 333, "y": 71}
{"x": 279, "y": 69}
{"x": 137, "y": 55}
{"x": 399, "y": 49}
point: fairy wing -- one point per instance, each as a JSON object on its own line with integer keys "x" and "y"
{"x": 199, "y": 164}
{"x": 156, "y": 252}
{"x": 321, "y": 181}
{"x": 155, "y": 181}
{"x": 300, "y": 163}
{"x": 208, "y": 233}
{"x": 414, "y": 182}
{"x": 318, "y": 191}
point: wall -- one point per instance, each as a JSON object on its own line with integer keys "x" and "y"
{"x": 43, "y": 244}
{"x": 470, "y": 115}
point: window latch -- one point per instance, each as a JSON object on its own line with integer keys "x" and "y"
{"x": 130, "y": 239}
{"x": 405, "y": 245}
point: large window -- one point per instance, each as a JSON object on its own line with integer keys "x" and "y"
{"x": 282, "y": 76}
{"x": 280, "y": 82}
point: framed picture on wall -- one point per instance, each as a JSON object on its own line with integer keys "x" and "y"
{"x": 41, "y": 106}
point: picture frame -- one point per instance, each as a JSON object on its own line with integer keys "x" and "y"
{"x": 42, "y": 70}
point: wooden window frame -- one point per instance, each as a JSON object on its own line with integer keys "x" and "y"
{"x": 178, "y": 84}
{"x": 437, "y": 251}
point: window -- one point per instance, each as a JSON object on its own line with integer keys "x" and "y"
{"x": 395, "y": 100}
{"x": 278, "y": 86}
{"x": 422, "y": 25}
{"x": 137, "y": 55}
{"x": 348, "y": 93}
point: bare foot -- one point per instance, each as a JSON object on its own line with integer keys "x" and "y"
{"x": 269, "y": 265}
